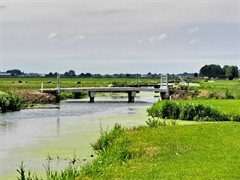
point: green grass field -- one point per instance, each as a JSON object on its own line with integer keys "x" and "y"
{"x": 7, "y": 84}
{"x": 229, "y": 106}
{"x": 24, "y": 83}
{"x": 206, "y": 151}
{"x": 219, "y": 86}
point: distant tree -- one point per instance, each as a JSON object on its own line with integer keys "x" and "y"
{"x": 50, "y": 74}
{"x": 211, "y": 71}
{"x": 88, "y": 75}
{"x": 230, "y": 71}
{"x": 195, "y": 75}
{"x": 70, "y": 73}
{"x": 14, "y": 72}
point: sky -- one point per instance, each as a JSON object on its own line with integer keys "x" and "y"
{"x": 118, "y": 36}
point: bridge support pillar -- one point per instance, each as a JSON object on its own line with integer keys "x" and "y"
{"x": 91, "y": 96}
{"x": 164, "y": 95}
{"x": 57, "y": 96}
{"x": 131, "y": 96}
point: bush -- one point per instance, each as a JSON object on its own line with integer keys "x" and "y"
{"x": 10, "y": 102}
{"x": 155, "y": 110}
{"x": 236, "y": 118}
{"x": 170, "y": 110}
{"x": 185, "y": 111}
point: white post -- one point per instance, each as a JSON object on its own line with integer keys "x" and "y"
{"x": 42, "y": 87}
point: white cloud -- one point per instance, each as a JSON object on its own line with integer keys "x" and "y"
{"x": 78, "y": 38}
{"x": 152, "y": 39}
{"x": 194, "y": 41}
{"x": 52, "y": 36}
{"x": 193, "y": 30}
{"x": 157, "y": 38}
{"x": 2, "y": 6}
{"x": 162, "y": 37}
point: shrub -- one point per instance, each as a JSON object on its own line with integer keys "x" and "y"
{"x": 236, "y": 118}
{"x": 170, "y": 110}
{"x": 10, "y": 102}
{"x": 185, "y": 111}
{"x": 155, "y": 110}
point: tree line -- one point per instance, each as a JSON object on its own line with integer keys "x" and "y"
{"x": 216, "y": 71}
{"x": 210, "y": 71}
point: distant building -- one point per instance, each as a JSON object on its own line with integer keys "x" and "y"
{"x": 5, "y": 74}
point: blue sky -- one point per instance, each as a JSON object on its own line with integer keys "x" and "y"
{"x": 118, "y": 36}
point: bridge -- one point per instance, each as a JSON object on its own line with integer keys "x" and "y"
{"x": 131, "y": 91}
{"x": 163, "y": 90}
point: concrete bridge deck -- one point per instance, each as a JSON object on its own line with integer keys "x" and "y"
{"x": 164, "y": 92}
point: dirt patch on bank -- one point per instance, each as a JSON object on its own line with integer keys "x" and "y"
{"x": 35, "y": 97}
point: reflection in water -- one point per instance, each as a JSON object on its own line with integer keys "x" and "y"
{"x": 58, "y": 121}
{"x": 6, "y": 126}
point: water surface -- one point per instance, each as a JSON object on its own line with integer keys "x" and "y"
{"x": 33, "y": 134}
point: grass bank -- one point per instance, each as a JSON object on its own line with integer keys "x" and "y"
{"x": 203, "y": 151}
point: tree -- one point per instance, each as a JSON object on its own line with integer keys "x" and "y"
{"x": 70, "y": 73}
{"x": 50, "y": 74}
{"x": 211, "y": 71}
{"x": 195, "y": 75}
{"x": 14, "y": 72}
{"x": 230, "y": 71}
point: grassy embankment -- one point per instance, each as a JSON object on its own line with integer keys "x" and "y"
{"x": 203, "y": 151}
{"x": 171, "y": 152}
